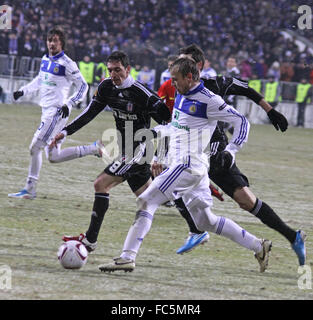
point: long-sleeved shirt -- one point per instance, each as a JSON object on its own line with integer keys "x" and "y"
{"x": 55, "y": 78}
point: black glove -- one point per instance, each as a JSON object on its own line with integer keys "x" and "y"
{"x": 223, "y": 160}
{"x": 64, "y": 111}
{"x": 278, "y": 120}
{"x": 17, "y": 94}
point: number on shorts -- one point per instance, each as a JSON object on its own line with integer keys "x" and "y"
{"x": 114, "y": 166}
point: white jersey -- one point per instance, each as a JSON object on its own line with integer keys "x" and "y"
{"x": 54, "y": 81}
{"x": 208, "y": 73}
{"x": 194, "y": 119}
{"x": 165, "y": 75}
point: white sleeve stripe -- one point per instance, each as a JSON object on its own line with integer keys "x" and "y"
{"x": 143, "y": 88}
{"x": 240, "y": 83}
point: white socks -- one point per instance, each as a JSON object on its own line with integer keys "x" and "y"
{"x": 57, "y": 155}
{"x": 34, "y": 169}
{"x": 231, "y": 230}
{"x": 136, "y": 234}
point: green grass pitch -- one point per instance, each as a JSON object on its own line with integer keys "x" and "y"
{"x": 279, "y": 167}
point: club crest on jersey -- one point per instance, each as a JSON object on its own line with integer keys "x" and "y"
{"x": 56, "y": 69}
{"x": 193, "y": 108}
{"x": 129, "y": 107}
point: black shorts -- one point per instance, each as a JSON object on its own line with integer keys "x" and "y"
{"x": 136, "y": 175}
{"x": 228, "y": 180}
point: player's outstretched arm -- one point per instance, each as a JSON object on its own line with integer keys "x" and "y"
{"x": 277, "y": 119}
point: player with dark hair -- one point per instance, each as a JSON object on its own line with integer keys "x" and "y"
{"x": 57, "y": 74}
{"x": 195, "y": 115}
{"x": 224, "y": 171}
{"x": 133, "y": 105}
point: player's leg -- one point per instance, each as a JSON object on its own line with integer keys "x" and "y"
{"x": 41, "y": 138}
{"x": 114, "y": 174}
{"x": 195, "y": 236}
{"x": 147, "y": 203}
{"x": 102, "y": 186}
{"x": 57, "y": 155}
{"x": 204, "y": 219}
{"x": 236, "y": 185}
{"x": 248, "y": 201}
{"x": 160, "y": 190}
{"x": 35, "y": 163}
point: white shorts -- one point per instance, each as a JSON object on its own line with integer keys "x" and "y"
{"x": 49, "y": 127}
{"x": 180, "y": 181}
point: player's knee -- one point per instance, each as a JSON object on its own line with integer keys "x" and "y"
{"x": 35, "y": 148}
{"x": 52, "y": 155}
{"x": 97, "y": 184}
{"x": 142, "y": 203}
{"x": 51, "y": 159}
{"x": 101, "y": 184}
{"x": 245, "y": 198}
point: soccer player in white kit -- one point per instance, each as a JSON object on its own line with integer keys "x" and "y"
{"x": 195, "y": 115}
{"x": 57, "y": 73}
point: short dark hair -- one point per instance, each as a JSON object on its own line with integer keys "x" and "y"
{"x": 59, "y": 32}
{"x": 119, "y": 56}
{"x": 185, "y": 66}
{"x": 196, "y": 53}
{"x": 172, "y": 57}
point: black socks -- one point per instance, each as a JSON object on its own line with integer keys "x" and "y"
{"x": 267, "y": 215}
{"x": 100, "y": 206}
{"x": 261, "y": 210}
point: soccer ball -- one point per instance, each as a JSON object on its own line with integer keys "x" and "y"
{"x": 72, "y": 255}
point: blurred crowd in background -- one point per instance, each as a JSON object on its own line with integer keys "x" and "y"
{"x": 151, "y": 30}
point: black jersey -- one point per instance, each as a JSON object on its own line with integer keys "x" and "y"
{"x": 132, "y": 106}
{"x": 224, "y": 86}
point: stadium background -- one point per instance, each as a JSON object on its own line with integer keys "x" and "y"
{"x": 279, "y": 165}
{"x": 262, "y": 35}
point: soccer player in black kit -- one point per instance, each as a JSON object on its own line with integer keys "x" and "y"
{"x": 132, "y": 104}
{"x": 223, "y": 170}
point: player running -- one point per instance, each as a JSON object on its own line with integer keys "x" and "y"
{"x": 133, "y": 105}
{"x": 229, "y": 178}
{"x": 194, "y": 118}
{"x": 57, "y": 74}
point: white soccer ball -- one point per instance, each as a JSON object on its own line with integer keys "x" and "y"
{"x": 72, "y": 254}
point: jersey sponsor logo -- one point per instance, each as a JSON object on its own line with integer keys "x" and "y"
{"x": 179, "y": 126}
{"x": 125, "y": 116}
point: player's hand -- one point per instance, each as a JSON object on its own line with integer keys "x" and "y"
{"x": 55, "y": 141}
{"x": 17, "y": 94}
{"x": 64, "y": 111}
{"x": 224, "y": 160}
{"x": 278, "y": 120}
{"x": 156, "y": 168}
